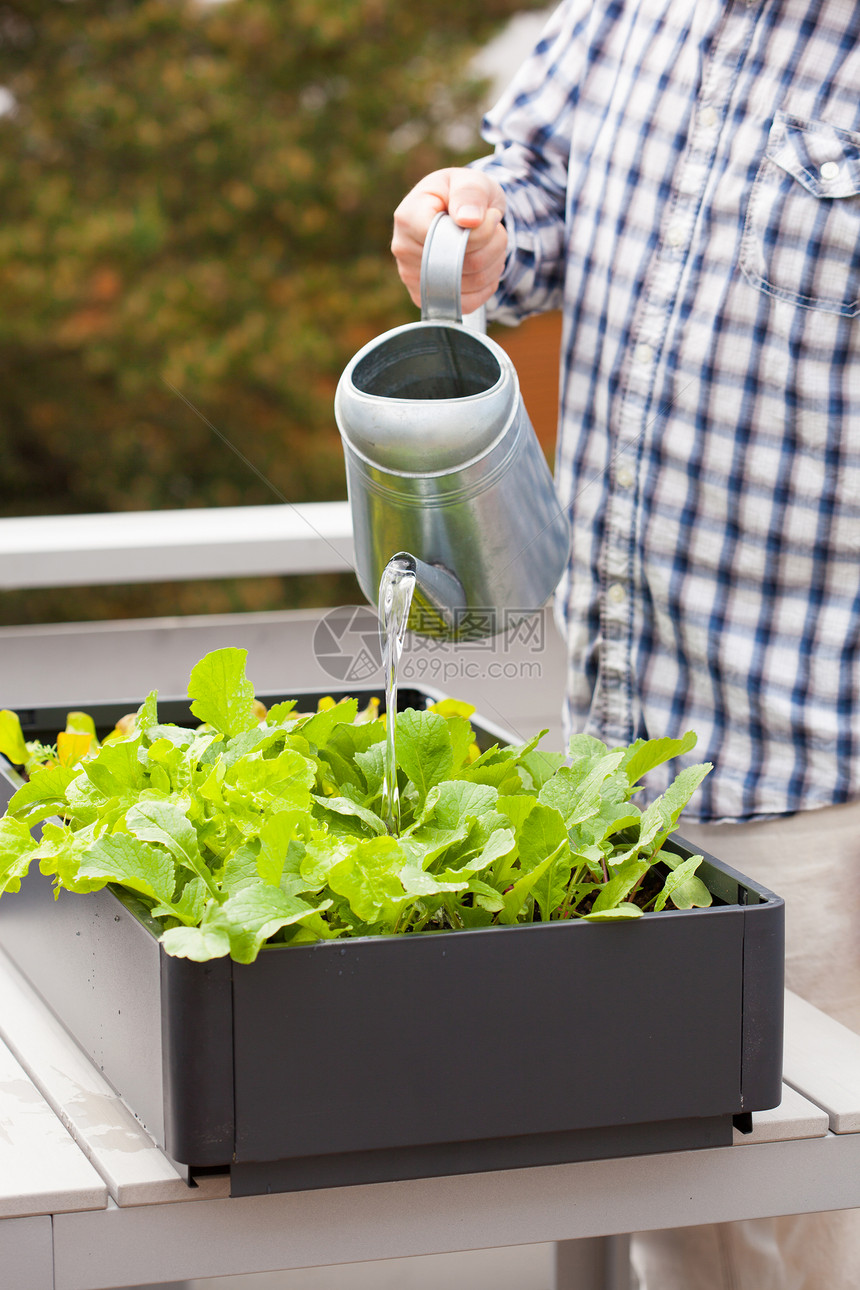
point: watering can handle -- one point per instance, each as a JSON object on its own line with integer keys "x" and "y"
{"x": 442, "y": 274}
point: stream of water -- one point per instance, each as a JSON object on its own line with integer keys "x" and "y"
{"x": 396, "y": 588}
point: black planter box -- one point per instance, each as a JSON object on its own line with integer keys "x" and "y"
{"x": 412, "y": 1056}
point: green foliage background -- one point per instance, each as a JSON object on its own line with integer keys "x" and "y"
{"x": 196, "y": 208}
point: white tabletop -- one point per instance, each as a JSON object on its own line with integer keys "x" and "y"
{"x": 41, "y": 1169}
{"x": 87, "y": 1201}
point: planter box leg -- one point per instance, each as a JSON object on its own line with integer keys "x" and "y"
{"x": 598, "y": 1263}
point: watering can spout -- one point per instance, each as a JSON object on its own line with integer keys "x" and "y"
{"x": 439, "y": 601}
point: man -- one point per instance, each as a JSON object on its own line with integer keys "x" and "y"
{"x": 682, "y": 179}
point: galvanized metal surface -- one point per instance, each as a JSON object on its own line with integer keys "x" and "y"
{"x": 442, "y": 460}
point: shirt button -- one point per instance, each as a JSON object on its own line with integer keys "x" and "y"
{"x": 616, "y": 593}
{"x": 690, "y": 181}
{"x": 624, "y": 477}
{"x": 830, "y": 170}
{"x": 675, "y": 234}
{"x": 708, "y": 117}
{"x": 643, "y": 353}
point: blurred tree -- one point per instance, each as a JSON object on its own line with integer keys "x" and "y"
{"x": 196, "y": 213}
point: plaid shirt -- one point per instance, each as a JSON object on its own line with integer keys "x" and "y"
{"x": 683, "y": 180}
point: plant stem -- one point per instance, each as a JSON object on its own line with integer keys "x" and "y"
{"x": 453, "y": 917}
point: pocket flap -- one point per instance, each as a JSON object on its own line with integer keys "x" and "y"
{"x": 802, "y": 148}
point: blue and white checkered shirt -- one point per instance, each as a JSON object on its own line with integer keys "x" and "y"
{"x": 683, "y": 180}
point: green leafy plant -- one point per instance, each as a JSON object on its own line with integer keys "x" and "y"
{"x": 258, "y": 826}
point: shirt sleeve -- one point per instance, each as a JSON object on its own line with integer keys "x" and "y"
{"x": 530, "y": 130}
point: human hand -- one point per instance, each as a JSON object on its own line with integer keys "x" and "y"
{"x": 474, "y": 201}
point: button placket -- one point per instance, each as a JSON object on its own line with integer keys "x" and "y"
{"x": 615, "y": 603}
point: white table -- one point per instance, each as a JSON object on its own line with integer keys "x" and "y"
{"x": 87, "y": 1202}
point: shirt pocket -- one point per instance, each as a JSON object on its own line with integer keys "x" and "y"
{"x": 801, "y": 239}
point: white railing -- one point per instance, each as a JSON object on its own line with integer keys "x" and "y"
{"x": 162, "y": 546}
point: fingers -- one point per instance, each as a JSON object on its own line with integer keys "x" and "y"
{"x": 471, "y": 196}
{"x": 484, "y": 261}
{"x": 476, "y": 202}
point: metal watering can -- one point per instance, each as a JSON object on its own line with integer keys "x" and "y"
{"x": 442, "y": 463}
